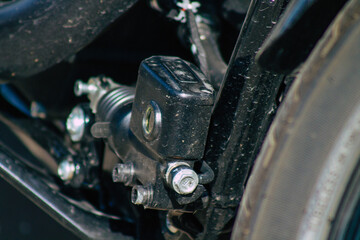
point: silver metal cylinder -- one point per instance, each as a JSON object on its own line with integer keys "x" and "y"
{"x": 141, "y": 195}
{"x": 124, "y": 172}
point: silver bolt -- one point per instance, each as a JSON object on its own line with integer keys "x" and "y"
{"x": 66, "y": 170}
{"x": 123, "y": 173}
{"x": 141, "y": 195}
{"x": 82, "y": 88}
{"x": 182, "y": 178}
{"x": 75, "y": 124}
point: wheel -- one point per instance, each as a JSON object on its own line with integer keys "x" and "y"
{"x": 305, "y": 182}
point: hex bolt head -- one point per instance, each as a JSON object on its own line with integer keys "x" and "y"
{"x": 141, "y": 195}
{"x": 66, "y": 170}
{"x": 182, "y": 179}
{"x": 76, "y": 123}
{"x": 185, "y": 181}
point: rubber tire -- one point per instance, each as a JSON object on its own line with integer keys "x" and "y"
{"x": 313, "y": 145}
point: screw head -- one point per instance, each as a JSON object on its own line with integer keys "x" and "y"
{"x": 75, "y": 124}
{"x": 66, "y": 170}
{"x": 184, "y": 180}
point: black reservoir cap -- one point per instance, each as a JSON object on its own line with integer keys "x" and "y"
{"x": 172, "y": 108}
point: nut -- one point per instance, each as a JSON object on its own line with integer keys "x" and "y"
{"x": 66, "y": 170}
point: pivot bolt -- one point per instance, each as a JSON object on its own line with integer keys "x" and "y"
{"x": 182, "y": 178}
{"x": 141, "y": 195}
{"x": 66, "y": 170}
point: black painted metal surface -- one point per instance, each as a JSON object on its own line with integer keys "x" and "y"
{"x": 36, "y": 34}
{"x": 33, "y": 186}
{"x": 17, "y": 219}
{"x": 241, "y": 117}
{"x": 294, "y": 37}
{"x": 203, "y": 36}
{"x": 32, "y": 151}
{"x": 184, "y": 99}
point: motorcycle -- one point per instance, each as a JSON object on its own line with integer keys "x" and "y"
{"x": 170, "y": 119}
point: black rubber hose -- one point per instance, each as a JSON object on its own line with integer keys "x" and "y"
{"x": 36, "y": 34}
{"x": 207, "y": 174}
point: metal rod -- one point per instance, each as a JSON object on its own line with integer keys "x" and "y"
{"x": 241, "y": 117}
{"x": 34, "y": 187}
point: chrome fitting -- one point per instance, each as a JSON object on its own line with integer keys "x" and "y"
{"x": 82, "y": 88}
{"x": 124, "y": 172}
{"x": 141, "y": 195}
{"x": 95, "y": 88}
